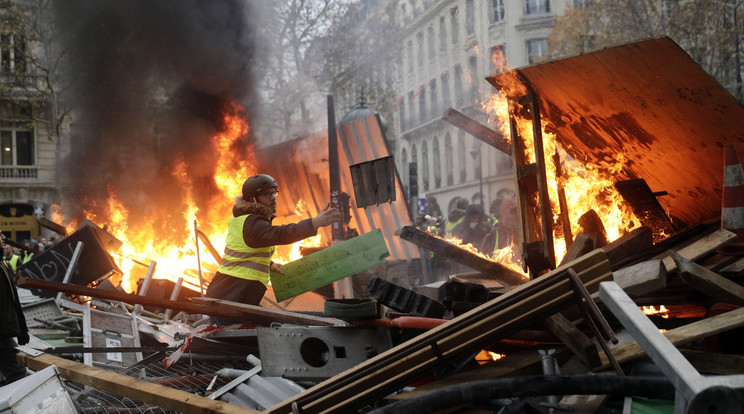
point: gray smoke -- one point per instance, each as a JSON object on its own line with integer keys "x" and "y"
{"x": 150, "y": 81}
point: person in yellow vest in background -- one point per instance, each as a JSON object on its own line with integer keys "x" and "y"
{"x": 454, "y": 217}
{"x": 10, "y": 258}
{"x": 244, "y": 273}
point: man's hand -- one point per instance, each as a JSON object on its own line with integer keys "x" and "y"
{"x": 326, "y": 217}
{"x": 275, "y": 267}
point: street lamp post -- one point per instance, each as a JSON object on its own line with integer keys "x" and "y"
{"x": 476, "y": 154}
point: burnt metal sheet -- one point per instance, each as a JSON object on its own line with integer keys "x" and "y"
{"x": 300, "y": 167}
{"x": 649, "y": 103}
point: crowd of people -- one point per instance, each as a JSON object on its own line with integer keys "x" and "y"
{"x": 14, "y": 257}
{"x": 468, "y": 222}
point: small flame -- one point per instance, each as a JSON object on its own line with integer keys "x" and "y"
{"x": 484, "y": 357}
{"x": 651, "y": 310}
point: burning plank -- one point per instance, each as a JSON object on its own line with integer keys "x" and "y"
{"x": 477, "y": 262}
{"x": 474, "y": 128}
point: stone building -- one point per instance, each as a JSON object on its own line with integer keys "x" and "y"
{"x": 28, "y": 149}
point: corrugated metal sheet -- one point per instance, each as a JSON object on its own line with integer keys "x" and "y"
{"x": 301, "y": 169}
{"x": 651, "y": 103}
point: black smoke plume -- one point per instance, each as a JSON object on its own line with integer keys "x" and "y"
{"x": 150, "y": 83}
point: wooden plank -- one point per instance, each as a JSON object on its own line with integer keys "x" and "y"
{"x": 582, "y": 245}
{"x": 580, "y": 344}
{"x": 700, "y": 247}
{"x": 715, "y": 363}
{"x": 249, "y": 313}
{"x": 641, "y": 278}
{"x": 330, "y": 264}
{"x": 645, "y": 206}
{"x": 463, "y": 335}
{"x": 130, "y": 387}
{"x": 629, "y": 245}
{"x": 478, "y": 130}
{"x": 707, "y": 281}
{"x": 477, "y": 262}
{"x": 684, "y": 334}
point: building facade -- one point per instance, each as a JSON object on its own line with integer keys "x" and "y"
{"x": 447, "y": 50}
{"x": 28, "y": 149}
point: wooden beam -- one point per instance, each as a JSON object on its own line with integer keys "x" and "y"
{"x": 700, "y": 247}
{"x": 708, "y": 282}
{"x": 478, "y": 130}
{"x": 629, "y": 245}
{"x": 580, "y": 344}
{"x": 580, "y": 246}
{"x": 249, "y": 313}
{"x": 477, "y": 262}
{"x": 641, "y": 278}
{"x": 684, "y": 334}
{"x": 130, "y": 387}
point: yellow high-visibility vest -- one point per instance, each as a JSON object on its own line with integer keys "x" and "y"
{"x": 241, "y": 260}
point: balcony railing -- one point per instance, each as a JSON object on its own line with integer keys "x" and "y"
{"x": 19, "y": 173}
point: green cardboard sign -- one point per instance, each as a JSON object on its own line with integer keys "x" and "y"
{"x": 329, "y": 265}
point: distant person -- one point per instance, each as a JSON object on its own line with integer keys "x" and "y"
{"x": 244, "y": 273}
{"x": 10, "y": 258}
{"x": 473, "y": 227}
{"x": 12, "y": 325}
{"x": 455, "y": 216}
{"x": 490, "y": 243}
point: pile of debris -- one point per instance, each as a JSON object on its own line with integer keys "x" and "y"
{"x": 561, "y": 344}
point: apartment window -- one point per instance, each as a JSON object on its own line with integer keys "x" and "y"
{"x": 537, "y": 6}
{"x": 437, "y": 164}
{"x": 431, "y": 41}
{"x": 498, "y": 59}
{"x": 18, "y": 146}
{"x": 536, "y": 49}
{"x": 410, "y": 56}
{"x": 462, "y": 157}
{"x": 446, "y": 100}
{"x": 402, "y": 115}
{"x": 414, "y": 160}
{"x": 423, "y": 116}
{"x": 420, "y": 44}
{"x": 459, "y": 98}
{"x": 448, "y": 154}
{"x": 455, "y": 25}
{"x": 469, "y": 17}
{"x": 425, "y": 165}
{"x": 411, "y": 113}
{"x": 582, "y": 4}
{"x": 472, "y": 76}
{"x": 433, "y": 103}
{"x": 442, "y": 34}
{"x": 399, "y": 65}
{"x": 404, "y": 163}
{"x": 12, "y": 54}
{"x": 497, "y": 11}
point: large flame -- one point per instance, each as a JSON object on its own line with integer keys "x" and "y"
{"x": 586, "y": 187}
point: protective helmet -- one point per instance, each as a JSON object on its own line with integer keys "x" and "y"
{"x": 254, "y": 185}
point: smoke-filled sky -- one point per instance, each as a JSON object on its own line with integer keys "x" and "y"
{"x": 195, "y": 56}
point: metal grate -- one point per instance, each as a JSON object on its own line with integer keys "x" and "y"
{"x": 188, "y": 375}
